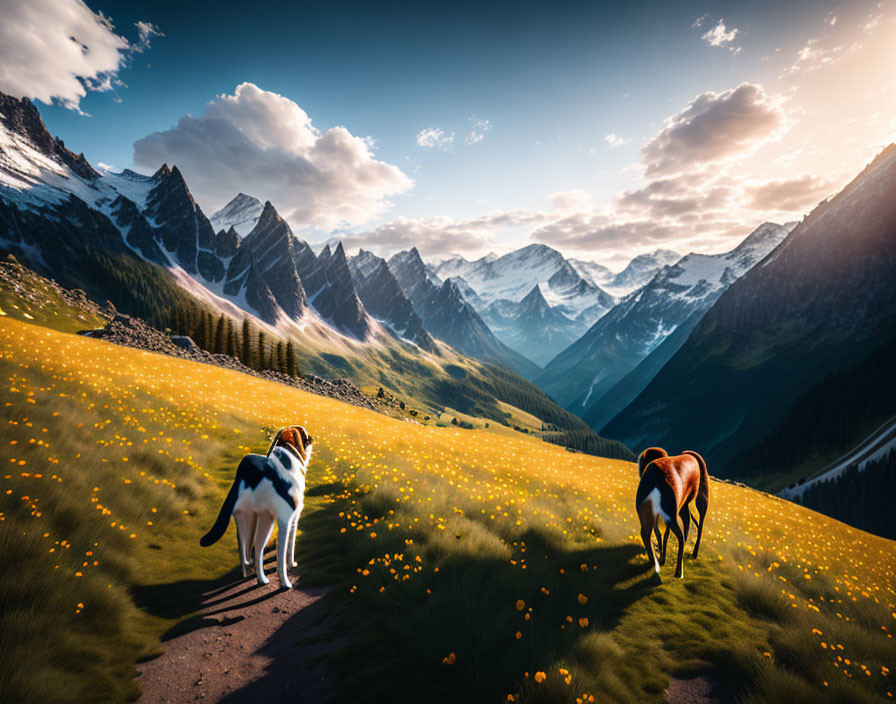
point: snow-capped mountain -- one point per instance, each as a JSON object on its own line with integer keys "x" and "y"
{"x": 448, "y": 316}
{"x": 822, "y": 301}
{"x": 581, "y": 374}
{"x": 384, "y": 299}
{"x": 640, "y": 270}
{"x": 512, "y": 276}
{"x": 242, "y": 214}
{"x": 264, "y": 263}
{"x": 596, "y": 273}
{"x": 63, "y": 217}
{"x": 531, "y": 327}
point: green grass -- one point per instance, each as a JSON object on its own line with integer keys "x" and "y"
{"x": 427, "y": 537}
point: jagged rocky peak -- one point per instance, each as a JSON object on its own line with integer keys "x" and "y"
{"x": 23, "y": 118}
{"x": 269, "y": 216}
{"x": 271, "y": 245}
{"x": 227, "y": 242}
{"x": 337, "y": 300}
{"x": 410, "y": 264}
{"x": 533, "y": 301}
{"x": 184, "y": 228}
{"x": 366, "y": 263}
{"x": 163, "y": 171}
{"x": 242, "y": 213}
{"x": 641, "y": 269}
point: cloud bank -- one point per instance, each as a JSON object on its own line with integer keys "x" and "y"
{"x": 58, "y": 50}
{"x": 713, "y": 127}
{"x": 264, "y": 143}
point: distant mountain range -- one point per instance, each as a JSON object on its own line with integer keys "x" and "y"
{"x": 580, "y": 376}
{"x": 143, "y": 243}
{"x": 497, "y": 286}
{"x": 59, "y": 213}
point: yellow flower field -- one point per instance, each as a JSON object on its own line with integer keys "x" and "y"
{"x": 480, "y": 566}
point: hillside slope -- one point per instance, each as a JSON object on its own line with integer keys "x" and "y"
{"x": 118, "y": 459}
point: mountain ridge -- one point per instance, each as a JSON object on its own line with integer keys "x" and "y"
{"x": 812, "y": 306}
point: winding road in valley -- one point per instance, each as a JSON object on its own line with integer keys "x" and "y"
{"x": 873, "y": 447}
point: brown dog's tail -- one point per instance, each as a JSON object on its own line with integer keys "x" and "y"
{"x": 704, "y": 475}
{"x": 648, "y": 456}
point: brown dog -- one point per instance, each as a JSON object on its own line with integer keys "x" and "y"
{"x": 667, "y": 486}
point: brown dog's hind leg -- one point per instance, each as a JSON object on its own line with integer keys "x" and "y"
{"x": 685, "y": 517}
{"x": 702, "y": 503}
{"x": 678, "y": 530}
{"x": 648, "y": 523}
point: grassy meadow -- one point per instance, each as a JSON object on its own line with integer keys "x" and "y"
{"x": 463, "y": 565}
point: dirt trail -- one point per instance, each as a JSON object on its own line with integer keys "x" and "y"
{"x": 251, "y": 644}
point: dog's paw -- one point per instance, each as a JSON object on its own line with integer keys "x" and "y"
{"x": 294, "y": 564}
{"x": 262, "y": 580}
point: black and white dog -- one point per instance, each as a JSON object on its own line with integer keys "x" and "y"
{"x": 267, "y": 488}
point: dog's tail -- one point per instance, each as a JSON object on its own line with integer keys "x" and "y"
{"x": 703, "y": 491}
{"x": 223, "y": 520}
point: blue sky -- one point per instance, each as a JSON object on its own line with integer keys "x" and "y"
{"x": 551, "y": 80}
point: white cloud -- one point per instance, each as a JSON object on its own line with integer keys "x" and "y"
{"x": 264, "y": 143}
{"x": 713, "y": 127}
{"x": 435, "y": 138}
{"x": 814, "y": 55}
{"x": 700, "y": 20}
{"x": 478, "y": 130}
{"x": 614, "y": 140}
{"x": 719, "y": 35}
{"x": 433, "y": 235}
{"x": 566, "y": 201}
{"x": 789, "y": 194}
{"x": 871, "y": 24}
{"x": 58, "y": 50}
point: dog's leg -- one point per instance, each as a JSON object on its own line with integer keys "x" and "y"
{"x": 685, "y": 521}
{"x": 283, "y": 528}
{"x": 263, "y": 528}
{"x": 678, "y": 530}
{"x": 648, "y": 522}
{"x": 702, "y": 507}
{"x": 243, "y": 540}
{"x": 293, "y": 527}
{"x": 665, "y": 543}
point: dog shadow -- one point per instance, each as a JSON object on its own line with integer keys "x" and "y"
{"x": 188, "y": 601}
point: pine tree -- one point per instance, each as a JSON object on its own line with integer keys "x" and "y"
{"x": 231, "y": 338}
{"x": 220, "y": 343}
{"x": 246, "y": 355}
{"x": 291, "y": 366}
{"x": 262, "y": 356}
{"x": 281, "y": 357}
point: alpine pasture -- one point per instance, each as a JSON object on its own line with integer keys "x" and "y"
{"x": 463, "y": 565}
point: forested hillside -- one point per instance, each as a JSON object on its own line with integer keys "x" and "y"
{"x": 861, "y": 498}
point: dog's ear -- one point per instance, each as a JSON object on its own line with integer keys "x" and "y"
{"x": 276, "y": 440}
{"x": 294, "y": 437}
{"x": 306, "y": 438}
